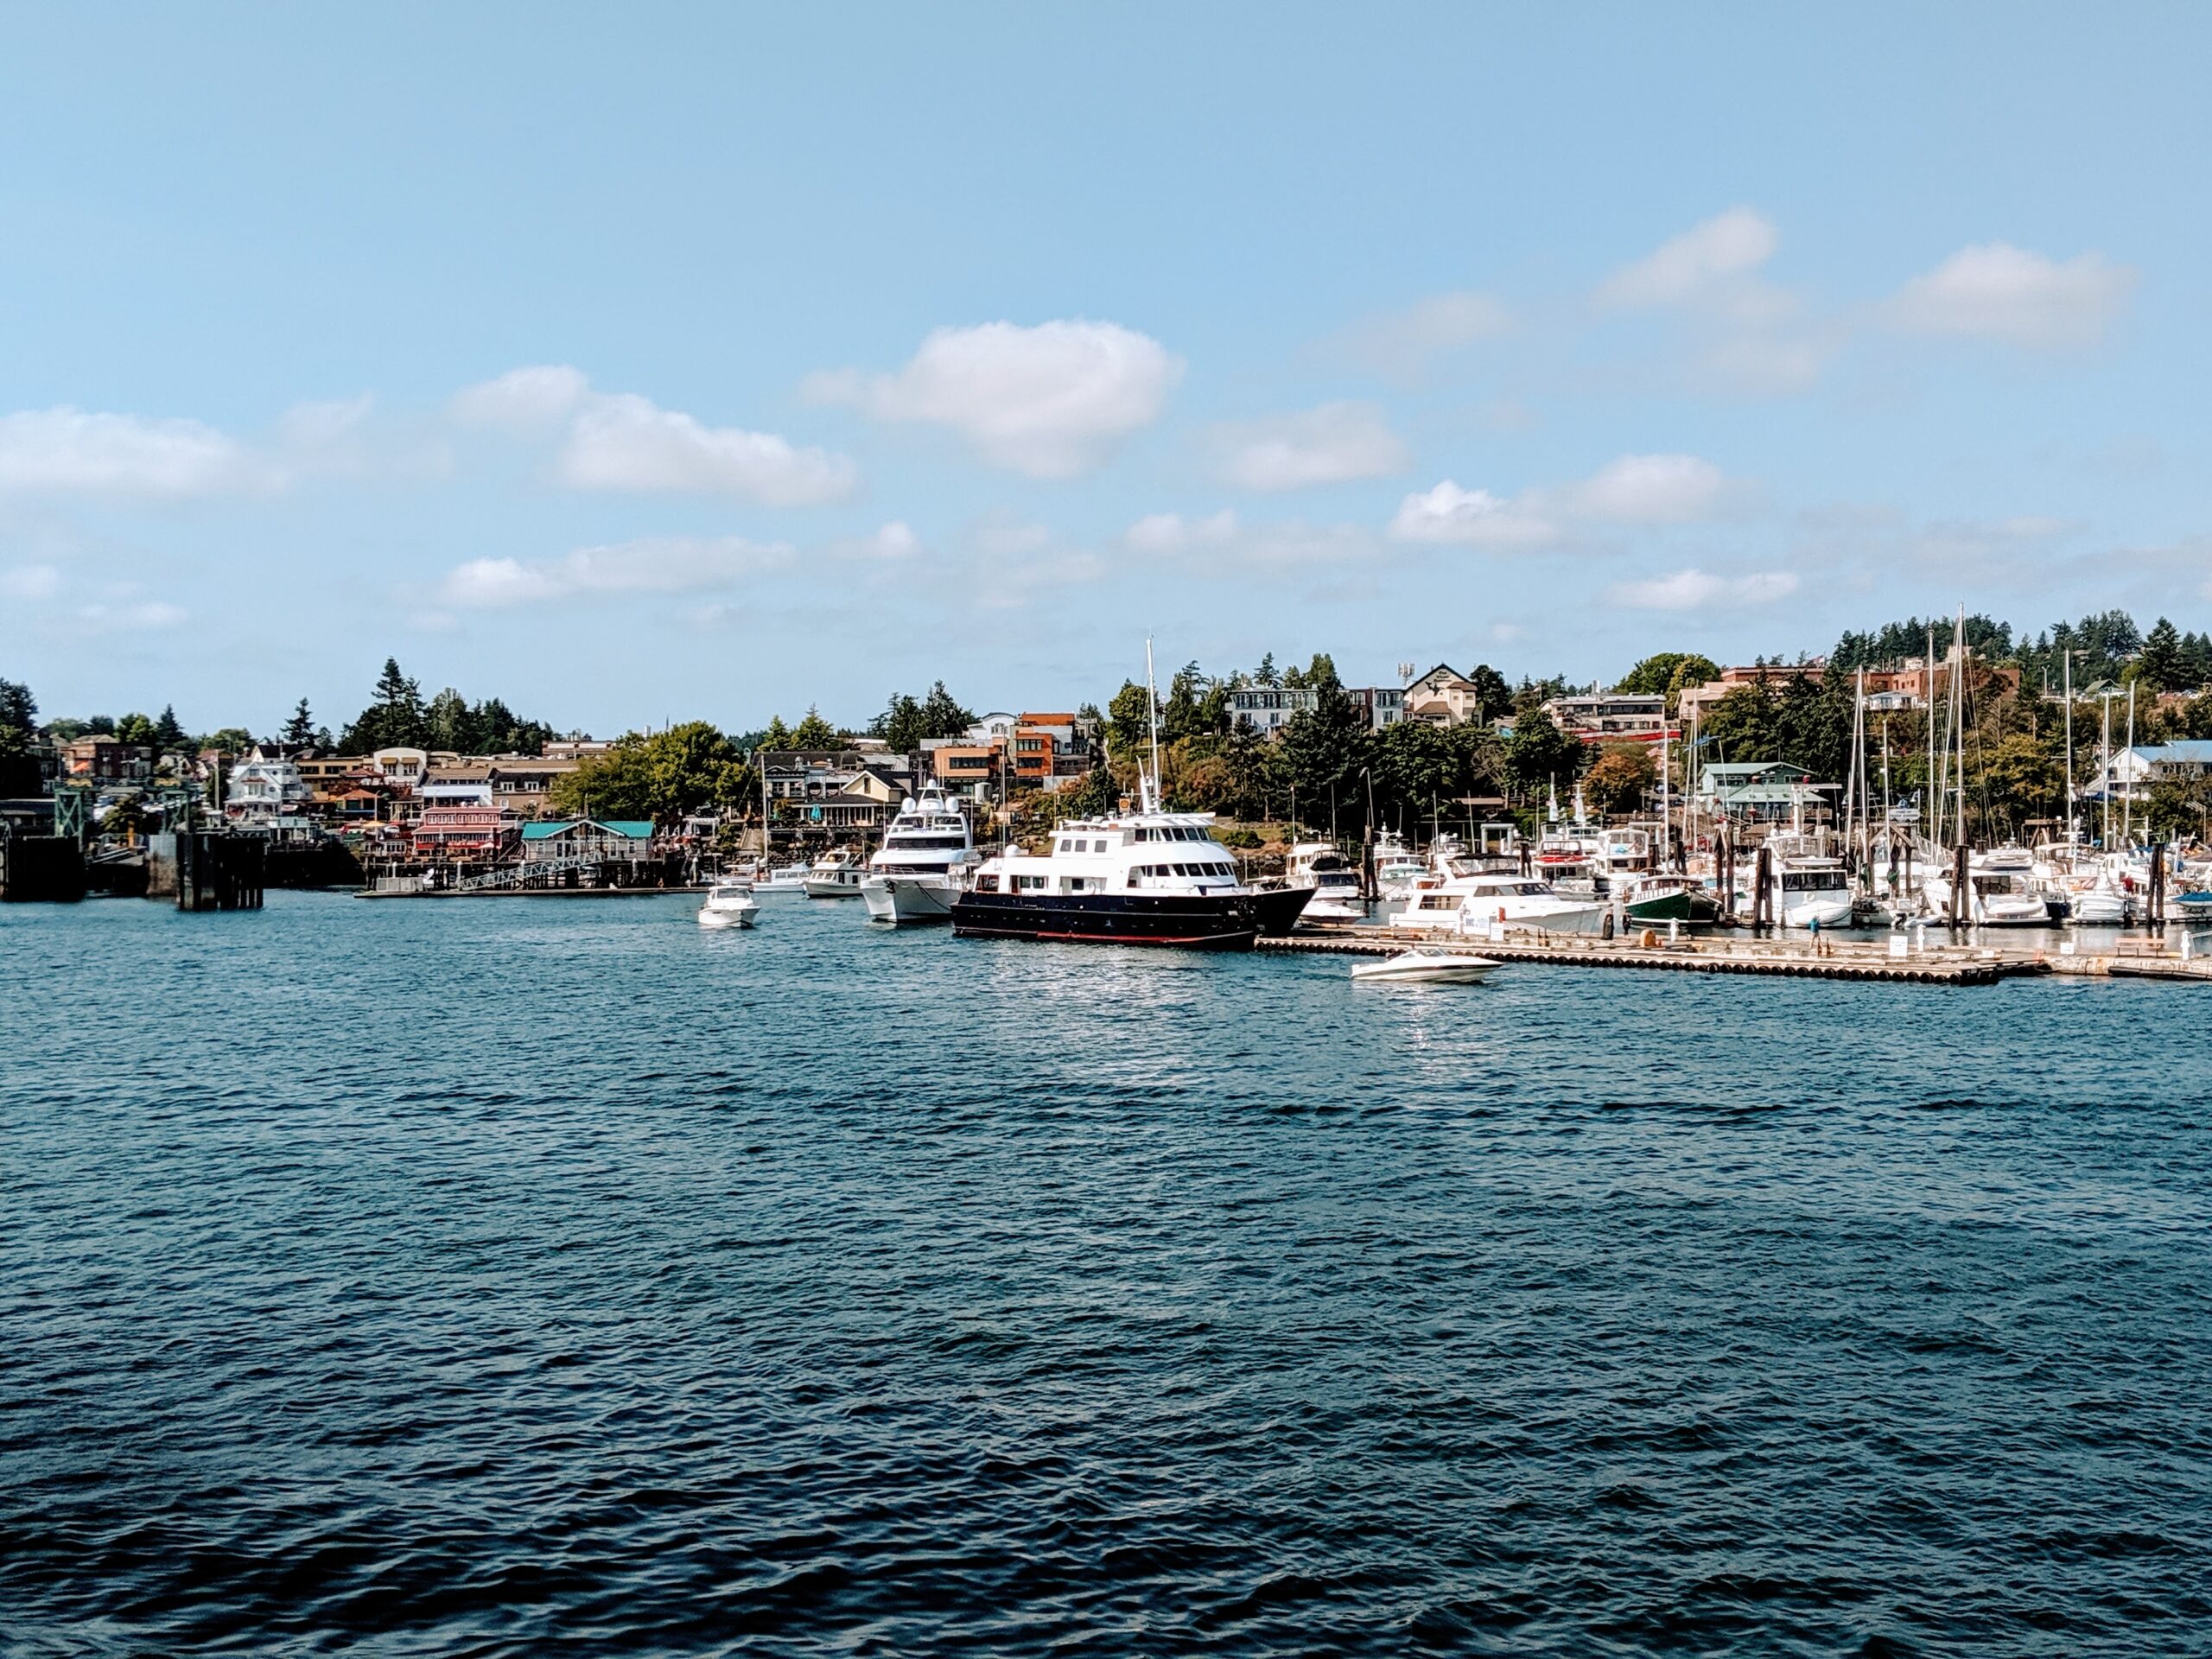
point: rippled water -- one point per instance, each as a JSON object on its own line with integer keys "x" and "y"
{"x": 552, "y": 1277}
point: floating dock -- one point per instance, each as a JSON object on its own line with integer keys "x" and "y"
{"x": 1792, "y": 958}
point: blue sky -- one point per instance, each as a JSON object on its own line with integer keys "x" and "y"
{"x": 708, "y": 362}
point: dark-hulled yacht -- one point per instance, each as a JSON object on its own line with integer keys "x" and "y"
{"x": 1146, "y": 877}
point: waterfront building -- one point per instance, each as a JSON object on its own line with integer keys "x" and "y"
{"x": 401, "y": 768}
{"x": 1763, "y": 791}
{"x": 618, "y": 840}
{"x": 97, "y": 757}
{"x": 524, "y": 785}
{"x": 488, "y": 833}
{"x": 1384, "y": 705}
{"x": 2131, "y": 774}
{"x": 831, "y": 789}
{"x": 577, "y": 746}
{"x": 1443, "y": 696}
{"x": 1268, "y": 709}
{"x": 467, "y": 783}
{"x": 1612, "y": 717}
{"x": 265, "y": 784}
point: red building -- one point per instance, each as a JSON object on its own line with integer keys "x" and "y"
{"x": 477, "y": 832}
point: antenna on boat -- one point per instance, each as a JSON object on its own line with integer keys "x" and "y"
{"x": 1149, "y": 793}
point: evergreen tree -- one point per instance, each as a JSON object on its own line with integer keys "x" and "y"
{"x": 446, "y": 723}
{"x": 134, "y": 728}
{"x": 777, "y": 735}
{"x": 1324, "y": 750}
{"x": 395, "y": 720}
{"x": 300, "y": 728}
{"x": 1266, "y": 673}
{"x": 2160, "y": 665}
{"x": 168, "y": 736}
{"x": 814, "y": 732}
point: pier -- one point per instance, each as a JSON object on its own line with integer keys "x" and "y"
{"x": 1792, "y": 958}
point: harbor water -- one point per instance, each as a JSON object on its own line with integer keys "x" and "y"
{"x": 556, "y": 1277}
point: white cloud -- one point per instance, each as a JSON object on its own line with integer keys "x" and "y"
{"x": 618, "y": 441}
{"x": 1403, "y": 343}
{"x": 541, "y": 396}
{"x": 321, "y": 424}
{"x": 1171, "y": 532}
{"x": 30, "y": 581}
{"x": 1692, "y": 266}
{"x": 1220, "y": 545}
{"x": 1700, "y": 590}
{"x": 1633, "y": 490}
{"x": 1652, "y": 490}
{"x": 1332, "y": 444}
{"x": 140, "y": 616}
{"x": 2000, "y": 292}
{"x": 68, "y": 451}
{"x": 890, "y": 543}
{"x": 662, "y": 565}
{"x": 625, "y": 442}
{"x": 1469, "y": 518}
{"x": 1050, "y": 401}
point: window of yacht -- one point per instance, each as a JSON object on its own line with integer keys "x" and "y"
{"x": 987, "y": 884}
{"x": 1029, "y": 884}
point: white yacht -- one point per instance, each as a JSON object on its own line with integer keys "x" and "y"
{"x": 923, "y": 863}
{"x": 2001, "y": 890}
{"x": 1397, "y": 865}
{"x": 792, "y": 877}
{"x": 1336, "y": 896}
{"x": 729, "y": 904}
{"x": 1469, "y": 904}
{"x": 1146, "y": 877}
{"x": 836, "y": 874}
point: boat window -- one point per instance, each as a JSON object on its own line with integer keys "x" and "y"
{"x": 987, "y": 884}
{"x": 1097, "y": 846}
{"x": 1029, "y": 884}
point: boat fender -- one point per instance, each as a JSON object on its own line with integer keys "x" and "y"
{"x": 1649, "y": 939}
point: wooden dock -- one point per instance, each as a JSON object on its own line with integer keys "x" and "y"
{"x": 1792, "y": 958}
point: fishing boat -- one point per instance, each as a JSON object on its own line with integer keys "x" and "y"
{"x": 1424, "y": 965}
{"x": 1664, "y": 896}
{"x": 729, "y": 904}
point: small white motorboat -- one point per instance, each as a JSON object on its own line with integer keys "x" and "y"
{"x": 1427, "y": 966}
{"x": 729, "y": 904}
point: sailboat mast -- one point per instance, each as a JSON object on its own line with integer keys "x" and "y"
{"x": 2067, "y": 679}
{"x": 1959, "y": 715}
{"x": 1930, "y": 764}
{"x": 1152, "y": 714}
{"x": 2127, "y": 801}
{"x": 2104, "y": 775}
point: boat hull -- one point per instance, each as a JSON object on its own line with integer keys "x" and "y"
{"x": 832, "y": 889}
{"x": 726, "y": 919}
{"x": 1193, "y": 921}
{"x": 904, "y": 899}
{"x": 1692, "y": 908}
